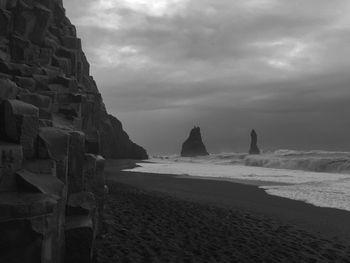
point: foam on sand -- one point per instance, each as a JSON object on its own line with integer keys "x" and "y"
{"x": 320, "y": 189}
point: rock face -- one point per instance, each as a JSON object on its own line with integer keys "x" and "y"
{"x": 194, "y": 145}
{"x": 254, "y": 149}
{"x": 54, "y": 135}
{"x": 120, "y": 145}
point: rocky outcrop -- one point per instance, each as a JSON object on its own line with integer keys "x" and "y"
{"x": 254, "y": 149}
{"x": 54, "y": 135}
{"x": 194, "y": 145}
{"x": 120, "y": 145}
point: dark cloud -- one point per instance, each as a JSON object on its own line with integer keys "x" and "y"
{"x": 280, "y": 66}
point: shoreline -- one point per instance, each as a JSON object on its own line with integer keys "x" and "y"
{"x": 330, "y": 222}
{"x": 166, "y": 218}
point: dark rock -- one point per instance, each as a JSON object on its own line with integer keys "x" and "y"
{"x": 5, "y": 21}
{"x": 45, "y": 115}
{"x": 14, "y": 205}
{"x": 94, "y": 181}
{"x": 47, "y": 167}
{"x": 54, "y": 129}
{"x": 25, "y": 83}
{"x": 194, "y": 145}
{"x": 72, "y": 43}
{"x": 82, "y": 203}
{"x": 41, "y": 82}
{"x": 11, "y": 158}
{"x": 40, "y": 182}
{"x": 93, "y": 142}
{"x": 79, "y": 238}
{"x": 20, "y": 242}
{"x": 93, "y": 174}
{"x": 31, "y": 228}
{"x": 254, "y": 143}
{"x": 53, "y": 143}
{"x": 8, "y": 89}
{"x": 42, "y": 16}
{"x": 39, "y": 101}
{"x": 76, "y": 162}
{"x": 21, "y": 124}
{"x": 116, "y": 143}
{"x": 43, "y": 123}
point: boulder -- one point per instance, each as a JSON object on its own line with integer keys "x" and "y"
{"x": 194, "y": 145}
{"x": 254, "y": 149}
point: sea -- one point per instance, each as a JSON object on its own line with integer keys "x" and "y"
{"x": 321, "y": 178}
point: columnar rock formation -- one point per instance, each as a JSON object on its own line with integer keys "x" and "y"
{"x": 194, "y": 145}
{"x": 254, "y": 149}
{"x": 54, "y": 133}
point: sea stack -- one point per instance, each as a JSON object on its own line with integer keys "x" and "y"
{"x": 194, "y": 145}
{"x": 254, "y": 149}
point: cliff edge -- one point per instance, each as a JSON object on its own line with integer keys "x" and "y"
{"x": 54, "y": 135}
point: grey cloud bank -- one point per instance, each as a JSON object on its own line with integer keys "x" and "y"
{"x": 278, "y": 66}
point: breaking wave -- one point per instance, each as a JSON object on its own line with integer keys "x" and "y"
{"x": 315, "y": 161}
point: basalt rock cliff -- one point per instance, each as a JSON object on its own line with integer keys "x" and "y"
{"x": 194, "y": 145}
{"x": 254, "y": 149}
{"x": 54, "y": 135}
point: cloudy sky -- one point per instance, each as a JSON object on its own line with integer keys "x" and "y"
{"x": 279, "y": 66}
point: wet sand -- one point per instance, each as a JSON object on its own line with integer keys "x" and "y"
{"x": 164, "y": 218}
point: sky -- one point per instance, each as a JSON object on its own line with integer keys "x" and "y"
{"x": 163, "y": 66}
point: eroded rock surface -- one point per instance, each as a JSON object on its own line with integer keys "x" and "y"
{"x": 254, "y": 149}
{"x": 54, "y": 135}
{"x": 194, "y": 145}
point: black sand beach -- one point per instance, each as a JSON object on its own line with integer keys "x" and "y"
{"x": 162, "y": 218}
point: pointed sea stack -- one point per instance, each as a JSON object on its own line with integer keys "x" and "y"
{"x": 254, "y": 143}
{"x": 194, "y": 145}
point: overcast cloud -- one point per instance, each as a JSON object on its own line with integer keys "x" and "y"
{"x": 279, "y": 66}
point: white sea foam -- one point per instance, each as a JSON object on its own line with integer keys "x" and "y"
{"x": 297, "y": 181}
{"x": 315, "y": 161}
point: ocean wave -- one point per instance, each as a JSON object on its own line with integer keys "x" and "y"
{"x": 315, "y": 161}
